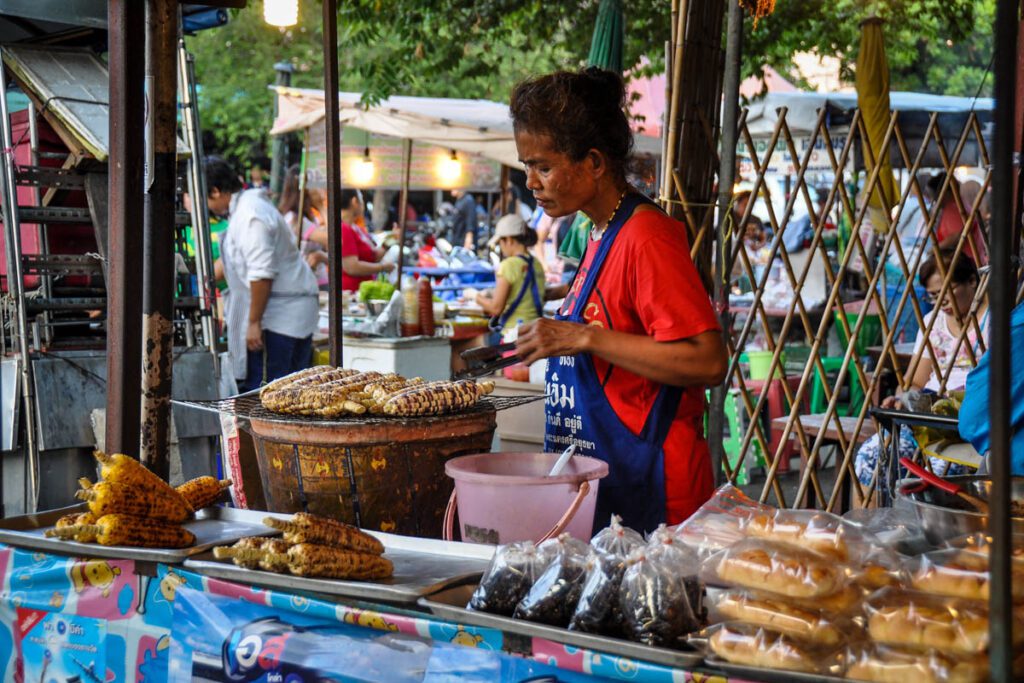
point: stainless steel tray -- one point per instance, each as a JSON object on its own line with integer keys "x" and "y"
{"x": 450, "y": 605}
{"x": 212, "y": 526}
{"x": 423, "y": 567}
{"x": 753, "y": 673}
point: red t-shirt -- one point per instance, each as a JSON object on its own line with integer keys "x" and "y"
{"x": 355, "y": 241}
{"x": 649, "y": 286}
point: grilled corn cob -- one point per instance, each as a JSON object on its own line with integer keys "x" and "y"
{"x": 309, "y": 559}
{"x": 108, "y": 497}
{"x": 76, "y": 519}
{"x": 202, "y": 491}
{"x": 319, "y": 399}
{"x": 125, "y": 470}
{"x": 279, "y": 399}
{"x": 285, "y": 381}
{"x": 306, "y": 528}
{"x": 434, "y": 400}
{"x": 131, "y": 531}
{"x": 256, "y": 552}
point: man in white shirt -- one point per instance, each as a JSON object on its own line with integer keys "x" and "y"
{"x": 271, "y": 304}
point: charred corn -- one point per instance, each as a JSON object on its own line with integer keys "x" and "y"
{"x": 202, "y": 491}
{"x": 320, "y": 399}
{"x": 434, "y": 400}
{"x": 108, "y": 497}
{"x": 79, "y": 519}
{"x": 125, "y": 470}
{"x": 287, "y": 380}
{"x": 306, "y": 528}
{"x": 309, "y": 559}
{"x": 130, "y": 531}
{"x": 257, "y": 552}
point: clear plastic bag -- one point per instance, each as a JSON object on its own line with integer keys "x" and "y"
{"x": 661, "y": 597}
{"x": 916, "y": 620}
{"x": 509, "y": 577}
{"x": 772, "y": 613}
{"x": 598, "y": 608}
{"x": 898, "y": 528}
{"x": 880, "y": 567}
{"x": 776, "y": 568}
{"x": 884, "y": 664}
{"x": 820, "y": 532}
{"x": 719, "y": 522}
{"x": 980, "y": 542}
{"x": 766, "y": 648}
{"x": 959, "y": 574}
{"x": 553, "y": 597}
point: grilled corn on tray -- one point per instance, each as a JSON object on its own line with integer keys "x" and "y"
{"x": 212, "y": 526}
{"x": 421, "y": 567}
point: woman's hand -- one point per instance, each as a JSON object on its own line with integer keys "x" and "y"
{"x": 315, "y": 258}
{"x": 386, "y": 267}
{"x": 546, "y": 338}
{"x": 892, "y": 403}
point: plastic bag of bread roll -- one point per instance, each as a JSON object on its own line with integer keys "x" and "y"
{"x": 776, "y": 568}
{"x": 880, "y": 568}
{"x": 883, "y": 664}
{"x": 553, "y": 597}
{"x": 719, "y": 522}
{"x": 776, "y": 614}
{"x": 916, "y": 620}
{"x": 509, "y": 577}
{"x": 821, "y": 532}
{"x": 980, "y": 542}
{"x": 959, "y": 574}
{"x": 598, "y": 608}
{"x": 897, "y": 528}
{"x": 660, "y": 596}
{"x": 764, "y": 648}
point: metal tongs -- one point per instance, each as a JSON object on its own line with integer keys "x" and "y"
{"x": 483, "y": 360}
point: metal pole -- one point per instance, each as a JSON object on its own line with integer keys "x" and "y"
{"x": 333, "y": 129}
{"x": 197, "y": 190}
{"x": 726, "y": 179}
{"x": 16, "y": 288}
{"x": 126, "y": 62}
{"x": 1001, "y": 298}
{"x": 158, "y": 234}
{"x": 278, "y": 162}
{"x": 42, "y": 233}
{"x": 403, "y": 206}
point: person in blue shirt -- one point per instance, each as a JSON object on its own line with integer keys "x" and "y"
{"x": 974, "y": 412}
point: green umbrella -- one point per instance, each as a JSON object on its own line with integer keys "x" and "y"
{"x": 609, "y": 34}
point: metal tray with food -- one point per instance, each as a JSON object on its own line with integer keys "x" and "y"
{"x": 754, "y": 673}
{"x": 212, "y": 526}
{"x": 450, "y": 605}
{"x": 422, "y": 567}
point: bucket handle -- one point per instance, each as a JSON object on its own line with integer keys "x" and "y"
{"x": 558, "y": 528}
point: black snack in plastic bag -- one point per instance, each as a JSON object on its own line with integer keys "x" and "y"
{"x": 554, "y": 594}
{"x": 509, "y": 577}
{"x": 660, "y": 596}
{"x": 598, "y": 608}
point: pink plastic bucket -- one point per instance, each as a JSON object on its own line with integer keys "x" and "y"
{"x": 505, "y": 497}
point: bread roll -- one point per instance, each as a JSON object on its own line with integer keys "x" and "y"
{"x": 762, "y": 648}
{"x": 923, "y": 623}
{"x": 779, "y": 569}
{"x": 961, "y": 574}
{"x": 774, "y": 614}
{"x": 890, "y": 665}
{"x": 818, "y": 532}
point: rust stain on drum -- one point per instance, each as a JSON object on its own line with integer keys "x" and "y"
{"x": 379, "y": 474}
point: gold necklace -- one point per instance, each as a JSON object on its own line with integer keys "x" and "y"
{"x": 595, "y": 233}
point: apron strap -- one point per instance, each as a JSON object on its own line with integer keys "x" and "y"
{"x": 498, "y": 323}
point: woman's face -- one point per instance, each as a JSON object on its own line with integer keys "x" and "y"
{"x": 560, "y": 185}
{"x": 960, "y": 293}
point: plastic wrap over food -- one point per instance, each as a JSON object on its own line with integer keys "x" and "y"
{"x": 719, "y": 522}
{"x": 776, "y": 568}
{"x": 898, "y": 528}
{"x": 883, "y": 664}
{"x": 660, "y": 596}
{"x": 509, "y": 577}
{"x": 959, "y": 574}
{"x": 821, "y": 532}
{"x": 880, "y": 567}
{"x": 773, "y": 613}
{"x": 765, "y": 648}
{"x": 981, "y": 543}
{"x": 552, "y": 598}
{"x": 598, "y": 608}
{"x": 916, "y": 620}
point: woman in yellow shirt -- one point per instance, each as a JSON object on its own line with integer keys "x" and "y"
{"x": 518, "y": 295}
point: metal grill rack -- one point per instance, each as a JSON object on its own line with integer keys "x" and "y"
{"x": 247, "y": 406}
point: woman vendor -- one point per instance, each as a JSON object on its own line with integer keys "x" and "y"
{"x": 636, "y": 340}
{"x": 361, "y": 260}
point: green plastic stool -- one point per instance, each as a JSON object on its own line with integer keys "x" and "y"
{"x": 870, "y": 332}
{"x": 733, "y": 440}
{"x": 834, "y": 365}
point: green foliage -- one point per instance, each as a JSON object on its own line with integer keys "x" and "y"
{"x": 481, "y": 48}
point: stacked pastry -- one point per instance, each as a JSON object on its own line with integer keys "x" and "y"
{"x": 333, "y": 392}
{"x": 312, "y": 546}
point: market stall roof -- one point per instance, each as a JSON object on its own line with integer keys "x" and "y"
{"x": 473, "y": 126}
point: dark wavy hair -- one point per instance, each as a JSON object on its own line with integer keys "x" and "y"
{"x": 220, "y": 175}
{"x": 579, "y": 111}
{"x": 964, "y": 270}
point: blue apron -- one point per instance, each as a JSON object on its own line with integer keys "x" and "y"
{"x": 497, "y": 323}
{"x": 578, "y": 411}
